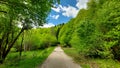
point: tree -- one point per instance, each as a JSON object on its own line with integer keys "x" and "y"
{"x": 14, "y": 12}
{"x": 96, "y": 30}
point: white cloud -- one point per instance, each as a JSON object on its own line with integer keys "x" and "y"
{"x": 81, "y": 4}
{"x": 69, "y": 11}
{"x": 56, "y": 9}
{"x": 46, "y": 25}
{"x": 55, "y": 16}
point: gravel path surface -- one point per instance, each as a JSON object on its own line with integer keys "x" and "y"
{"x": 58, "y": 59}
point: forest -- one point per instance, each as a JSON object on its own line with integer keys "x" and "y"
{"x": 93, "y": 34}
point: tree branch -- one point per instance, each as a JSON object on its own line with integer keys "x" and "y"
{"x": 3, "y": 11}
{"x": 11, "y": 45}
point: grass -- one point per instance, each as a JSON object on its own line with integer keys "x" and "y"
{"x": 29, "y": 59}
{"x": 90, "y": 62}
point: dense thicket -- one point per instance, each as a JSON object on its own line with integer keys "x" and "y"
{"x": 95, "y": 32}
{"x": 37, "y": 39}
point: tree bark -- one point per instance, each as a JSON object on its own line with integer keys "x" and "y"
{"x": 3, "y": 11}
{"x": 1, "y": 42}
{"x": 10, "y": 46}
{"x": 21, "y": 45}
{"x": 4, "y": 48}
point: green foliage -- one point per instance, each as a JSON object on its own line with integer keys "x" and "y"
{"x": 37, "y": 39}
{"x": 95, "y": 32}
{"x": 65, "y": 34}
{"x": 20, "y": 12}
{"x": 29, "y": 59}
{"x": 91, "y": 62}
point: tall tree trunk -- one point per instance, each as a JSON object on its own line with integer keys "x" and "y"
{"x": 1, "y": 42}
{"x": 4, "y": 48}
{"x": 21, "y": 44}
{"x": 10, "y": 46}
{"x": 2, "y": 39}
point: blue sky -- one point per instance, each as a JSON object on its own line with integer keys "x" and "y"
{"x": 64, "y": 11}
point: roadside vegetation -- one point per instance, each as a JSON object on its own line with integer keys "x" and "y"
{"x": 94, "y": 35}
{"x": 31, "y": 48}
{"x": 29, "y": 59}
{"x": 20, "y": 43}
{"x": 92, "y": 38}
{"x": 86, "y": 62}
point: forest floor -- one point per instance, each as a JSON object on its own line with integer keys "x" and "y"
{"x": 58, "y": 59}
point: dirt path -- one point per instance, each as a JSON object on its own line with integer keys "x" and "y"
{"x": 58, "y": 59}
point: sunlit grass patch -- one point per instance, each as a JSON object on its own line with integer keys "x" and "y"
{"x": 91, "y": 62}
{"x": 29, "y": 59}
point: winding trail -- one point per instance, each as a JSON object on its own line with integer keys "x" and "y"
{"x": 58, "y": 59}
